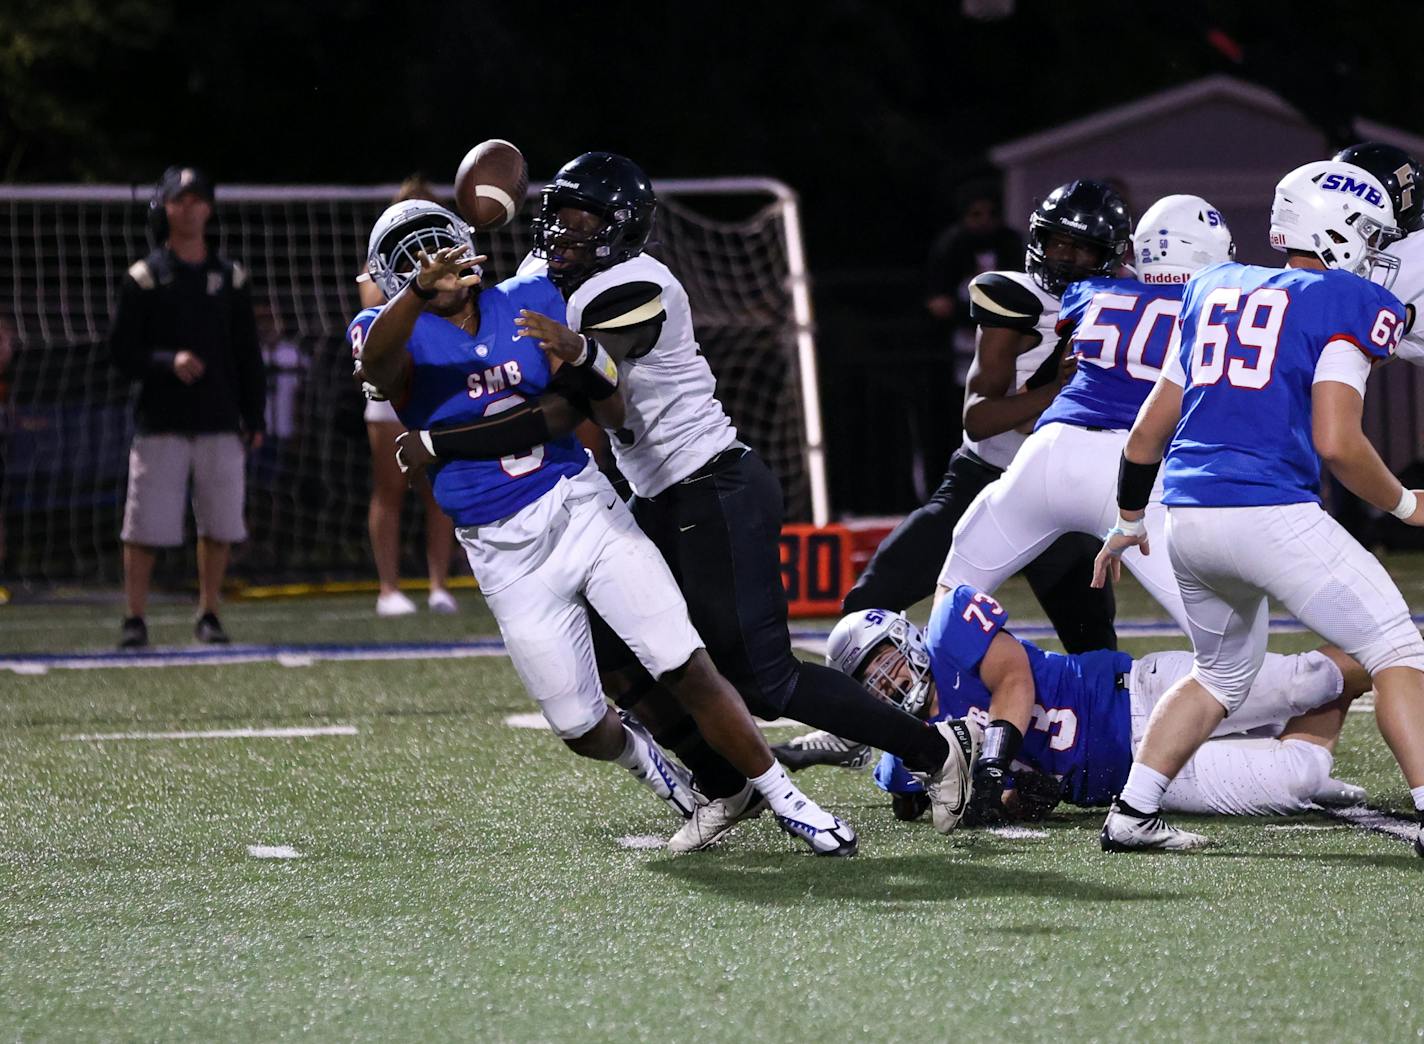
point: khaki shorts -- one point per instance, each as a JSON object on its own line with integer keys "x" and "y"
{"x": 159, "y": 469}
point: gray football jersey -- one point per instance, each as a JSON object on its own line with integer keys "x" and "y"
{"x": 675, "y": 424}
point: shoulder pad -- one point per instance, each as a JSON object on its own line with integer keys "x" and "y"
{"x": 142, "y": 274}
{"x": 624, "y": 305}
{"x": 997, "y": 299}
{"x": 239, "y": 275}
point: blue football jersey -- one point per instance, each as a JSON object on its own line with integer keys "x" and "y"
{"x": 1081, "y": 730}
{"x": 1122, "y": 331}
{"x": 1251, "y": 339}
{"x": 457, "y": 377}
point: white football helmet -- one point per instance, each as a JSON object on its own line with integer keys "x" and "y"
{"x": 1177, "y": 237}
{"x": 1340, "y": 213}
{"x": 404, "y": 230}
{"x": 858, "y": 637}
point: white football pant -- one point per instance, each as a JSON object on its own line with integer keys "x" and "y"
{"x": 1227, "y": 560}
{"x": 578, "y": 545}
{"x": 1243, "y": 775}
{"x": 1064, "y": 480}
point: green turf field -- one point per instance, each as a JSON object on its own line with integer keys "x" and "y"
{"x": 460, "y": 879}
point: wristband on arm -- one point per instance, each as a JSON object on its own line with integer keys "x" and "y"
{"x": 595, "y": 372}
{"x": 1407, "y": 503}
{"x": 1134, "y": 484}
{"x": 1002, "y": 742}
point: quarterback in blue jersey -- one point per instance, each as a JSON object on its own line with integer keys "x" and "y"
{"x": 1072, "y": 719}
{"x": 1269, "y": 380}
{"x": 1061, "y": 481}
{"x": 545, "y": 533}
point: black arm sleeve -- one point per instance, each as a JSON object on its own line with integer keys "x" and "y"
{"x": 551, "y": 416}
{"x": 247, "y": 354}
{"x": 1134, "y": 484}
{"x": 129, "y": 337}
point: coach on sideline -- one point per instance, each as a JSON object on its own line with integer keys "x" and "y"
{"x": 184, "y": 329}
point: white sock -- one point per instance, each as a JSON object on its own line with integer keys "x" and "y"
{"x": 635, "y": 752}
{"x": 780, "y": 793}
{"x": 1417, "y": 793}
{"x": 1144, "y": 789}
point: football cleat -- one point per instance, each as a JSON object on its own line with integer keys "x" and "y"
{"x": 442, "y": 602}
{"x": 661, "y": 774}
{"x": 827, "y": 835}
{"x": 950, "y": 787}
{"x": 713, "y": 821}
{"x": 1336, "y": 793}
{"x": 1127, "y": 830}
{"x": 822, "y": 748}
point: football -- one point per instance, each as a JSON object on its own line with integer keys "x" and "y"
{"x": 490, "y": 184}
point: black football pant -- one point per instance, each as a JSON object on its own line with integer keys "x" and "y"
{"x": 720, "y": 531}
{"x": 906, "y": 566}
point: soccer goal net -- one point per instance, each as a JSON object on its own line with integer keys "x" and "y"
{"x": 66, "y": 417}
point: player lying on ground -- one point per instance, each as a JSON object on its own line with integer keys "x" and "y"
{"x": 709, "y": 502}
{"x": 1063, "y": 478}
{"x": 545, "y": 534}
{"x": 1065, "y": 725}
{"x": 1269, "y": 381}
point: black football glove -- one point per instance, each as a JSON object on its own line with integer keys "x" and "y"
{"x": 909, "y": 807}
{"x": 1002, "y": 741}
{"x": 1034, "y": 795}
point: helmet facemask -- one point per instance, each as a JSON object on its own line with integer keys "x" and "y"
{"x": 1340, "y": 214}
{"x": 394, "y": 258}
{"x": 1056, "y": 276}
{"x": 898, "y": 670}
{"x": 580, "y": 253}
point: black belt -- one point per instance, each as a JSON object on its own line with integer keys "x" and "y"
{"x": 715, "y": 464}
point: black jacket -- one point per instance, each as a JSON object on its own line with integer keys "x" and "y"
{"x": 167, "y": 306}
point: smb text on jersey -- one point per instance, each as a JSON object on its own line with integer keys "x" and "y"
{"x": 1122, "y": 333}
{"x": 1081, "y": 729}
{"x": 1251, "y": 340}
{"x": 457, "y": 377}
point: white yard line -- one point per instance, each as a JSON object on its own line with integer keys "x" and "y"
{"x": 642, "y": 841}
{"x": 1363, "y": 818}
{"x": 273, "y": 852}
{"x": 296, "y": 732}
{"x": 1014, "y": 833}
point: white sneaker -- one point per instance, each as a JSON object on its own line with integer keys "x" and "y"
{"x": 1125, "y": 832}
{"x": 822, "y": 748}
{"x": 441, "y": 601}
{"x": 667, "y": 779}
{"x": 394, "y": 603}
{"x": 827, "y": 835}
{"x": 950, "y": 788}
{"x": 1336, "y": 793}
{"x": 713, "y": 821}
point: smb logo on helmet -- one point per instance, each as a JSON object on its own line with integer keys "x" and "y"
{"x": 1337, "y": 182}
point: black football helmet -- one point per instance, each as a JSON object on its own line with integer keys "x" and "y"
{"x": 1400, "y": 175}
{"x": 1088, "y": 212}
{"x": 614, "y": 189}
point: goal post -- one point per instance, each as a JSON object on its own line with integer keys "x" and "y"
{"x": 734, "y": 242}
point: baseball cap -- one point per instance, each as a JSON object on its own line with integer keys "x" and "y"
{"x": 178, "y": 180}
